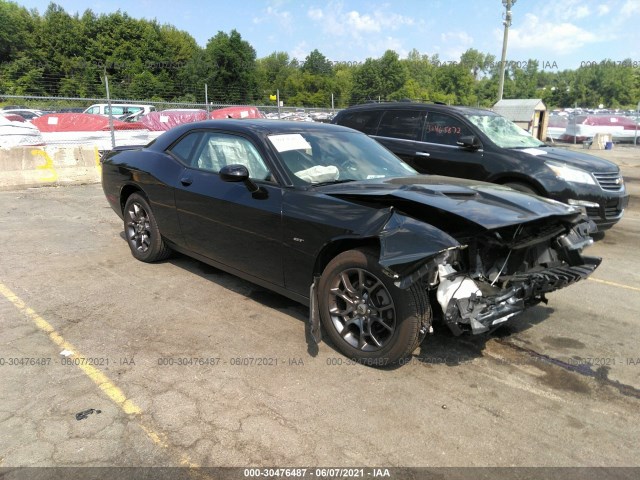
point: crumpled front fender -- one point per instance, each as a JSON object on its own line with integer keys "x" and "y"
{"x": 409, "y": 248}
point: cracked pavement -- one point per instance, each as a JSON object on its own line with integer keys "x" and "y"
{"x": 470, "y": 401}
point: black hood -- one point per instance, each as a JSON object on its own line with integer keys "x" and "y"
{"x": 572, "y": 158}
{"x": 485, "y": 204}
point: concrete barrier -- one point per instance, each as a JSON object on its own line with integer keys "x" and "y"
{"x": 22, "y": 167}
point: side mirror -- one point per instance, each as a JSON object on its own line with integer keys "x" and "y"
{"x": 238, "y": 173}
{"x": 234, "y": 173}
{"x": 469, "y": 141}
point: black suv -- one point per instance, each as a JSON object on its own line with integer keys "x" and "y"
{"x": 482, "y": 145}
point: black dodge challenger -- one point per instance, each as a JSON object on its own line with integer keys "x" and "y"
{"x": 328, "y": 217}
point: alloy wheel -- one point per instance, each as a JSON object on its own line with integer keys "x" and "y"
{"x": 361, "y": 309}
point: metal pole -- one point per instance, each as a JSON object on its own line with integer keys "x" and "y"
{"x": 332, "y": 101}
{"x": 113, "y": 135}
{"x": 503, "y": 61}
{"x": 575, "y": 128}
{"x": 635, "y": 135}
{"x": 206, "y": 98}
{"x": 278, "y": 100}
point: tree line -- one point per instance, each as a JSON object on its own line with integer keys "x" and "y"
{"x": 62, "y": 55}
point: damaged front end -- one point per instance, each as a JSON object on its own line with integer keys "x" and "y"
{"x": 482, "y": 280}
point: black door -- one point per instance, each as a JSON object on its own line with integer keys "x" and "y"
{"x": 439, "y": 153}
{"x": 400, "y": 132}
{"x": 224, "y": 221}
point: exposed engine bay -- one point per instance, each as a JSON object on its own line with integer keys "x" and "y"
{"x": 502, "y": 272}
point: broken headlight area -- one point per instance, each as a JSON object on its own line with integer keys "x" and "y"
{"x": 501, "y": 273}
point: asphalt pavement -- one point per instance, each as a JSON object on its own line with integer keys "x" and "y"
{"x": 107, "y": 361}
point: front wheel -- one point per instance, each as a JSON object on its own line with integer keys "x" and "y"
{"x": 366, "y": 316}
{"x": 141, "y": 230}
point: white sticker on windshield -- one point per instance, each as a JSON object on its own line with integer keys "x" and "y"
{"x": 534, "y": 151}
{"x": 293, "y": 141}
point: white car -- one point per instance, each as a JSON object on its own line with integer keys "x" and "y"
{"x": 119, "y": 110}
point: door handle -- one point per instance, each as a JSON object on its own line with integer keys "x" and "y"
{"x": 186, "y": 181}
{"x": 423, "y": 154}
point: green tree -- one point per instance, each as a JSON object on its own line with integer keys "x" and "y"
{"x": 272, "y": 73}
{"x": 17, "y": 27}
{"x": 317, "y": 64}
{"x": 378, "y": 79}
{"x": 231, "y": 68}
{"x": 477, "y": 62}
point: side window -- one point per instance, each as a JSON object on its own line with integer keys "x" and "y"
{"x": 185, "y": 148}
{"x": 405, "y": 124}
{"x": 217, "y": 150}
{"x": 443, "y": 129}
{"x": 94, "y": 110}
{"x": 115, "y": 110}
{"x": 366, "y": 122}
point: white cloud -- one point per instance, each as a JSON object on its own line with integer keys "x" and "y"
{"x": 377, "y": 47}
{"x": 335, "y": 21}
{"x": 561, "y": 38}
{"x": 603, "y": 9}
{"x": 582, "y": 12}
{"x": 300, "y": 51}
{"x": 569, "y": 10}
{"x": 454, "y": 44}
{"x": 457, "y": 37}
{"x": 362, "y": 23}
{"x": 630, "y": 7}
{"x": 283, "y": 18}
{"x": 315, "y": 14}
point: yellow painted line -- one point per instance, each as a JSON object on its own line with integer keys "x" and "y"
{"x": 103, "y": 382}
{"x": 613, "y": 284}
{"x": 100, "y": 379}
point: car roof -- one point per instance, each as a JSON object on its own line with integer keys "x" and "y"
{"x": 257, "y": 126}
{"x": 417, "y": 105}
{"x": 266, "y": 126}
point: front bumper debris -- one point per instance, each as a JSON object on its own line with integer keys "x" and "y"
{"x": 466, "y": 309}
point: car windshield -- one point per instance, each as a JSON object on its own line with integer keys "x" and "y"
{"x": 322, "y": 157}
{"x": 504, "y": 133}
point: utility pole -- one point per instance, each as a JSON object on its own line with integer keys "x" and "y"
{"x": 503, "y": 63}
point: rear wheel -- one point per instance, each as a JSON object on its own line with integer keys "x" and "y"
{"x": 141, "y": 230}
{"x": 366, "y": 316}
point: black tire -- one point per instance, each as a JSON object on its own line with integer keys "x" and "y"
{"x": 367, "y": 317}
{"x": 141, "y": 230}
{"x": 522, "y": 187}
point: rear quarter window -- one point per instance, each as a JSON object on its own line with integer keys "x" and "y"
{"x": 406, "y": 124}
{"x": 366, "y": 121}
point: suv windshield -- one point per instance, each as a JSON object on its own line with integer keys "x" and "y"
{"x": 504, "y": 133}
{"x": 317, "y": 157}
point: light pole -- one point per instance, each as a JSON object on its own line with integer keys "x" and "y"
{"x": 507, "y": 24}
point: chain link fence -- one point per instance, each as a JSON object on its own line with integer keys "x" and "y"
{"x": 57, "y": 121}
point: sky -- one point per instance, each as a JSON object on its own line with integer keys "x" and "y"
{"x": 560, "y": 34}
